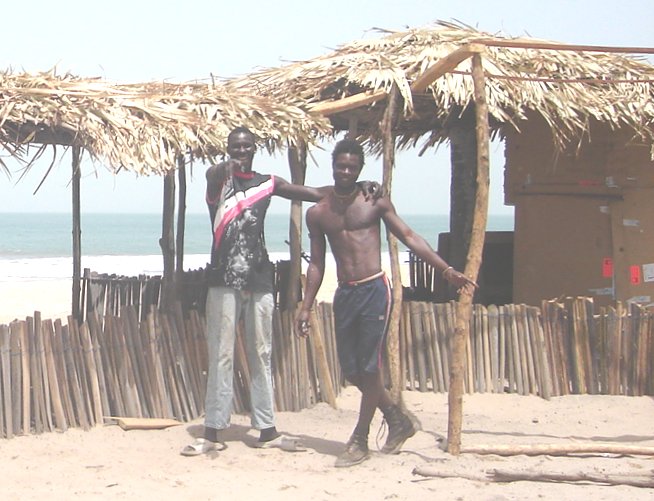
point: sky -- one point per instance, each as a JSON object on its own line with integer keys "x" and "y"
{"x": 139, "y": 40}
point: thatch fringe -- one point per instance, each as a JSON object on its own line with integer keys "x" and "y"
{"x": 140, "y": 127}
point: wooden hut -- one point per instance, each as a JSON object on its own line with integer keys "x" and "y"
{"x": 559, "y": 108}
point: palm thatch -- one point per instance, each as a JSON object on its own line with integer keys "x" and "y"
{"x": 139, "y": 127}
{"x": 569, "y": 89}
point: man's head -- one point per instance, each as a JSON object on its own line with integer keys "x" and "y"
{"x": 241, "y": 147}
{"x": 347, "y": 162}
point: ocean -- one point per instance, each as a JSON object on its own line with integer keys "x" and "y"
{"x": 36, "y": 246}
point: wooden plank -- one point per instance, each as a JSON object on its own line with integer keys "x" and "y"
{"x": 167, "y": 361}
{"x": 409, "y": 350}
{"x": 60, "y": 365}
{"x": 137, "y": 366}
{"x": 486, "y": 349}
{"x": 72, "y": 375}
{"x": 493, "y": 347}
{"x": 528, "y": 44}
{"x": 530, "y": 361}
{"x": 95, "y": 331}
{"x": 53, "y": 380}
{"x": 642, "y": 350}
{"x": 428, "y": 330}
{"x": 39, "y": 334}
{"x": 517, "y": 351}
{"x": 80, "y": 365}
{"x": 326, "y": 384}
{"x": 110, "y": 353}
{"x": 6, "y": 420}
{"x": 445, "y": 65}
{"x": 27, "y": 377}
{"x": 419, "y": 344}
{"x": 155, "y": 349}
{"x": 92, "y": 374}
{"x": 578, "y": 337}
{"x": 477, "y": 344}
{"x": 438, "y": 355}
{"x": 352, "y": 102}
{"x": 38, "y": 400}
{"x": 16, "y": 375}
{"x": 551, "y": 358}
{"x": 545, "y": 370}
{"x": 191, "y": 366}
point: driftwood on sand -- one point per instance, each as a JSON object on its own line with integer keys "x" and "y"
{"x": 502, "y": 475}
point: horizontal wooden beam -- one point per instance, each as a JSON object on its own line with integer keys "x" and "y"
{"x": 523, "y": 44}
{"x": 327, "y": 108}
{"x": 445, "y": 65}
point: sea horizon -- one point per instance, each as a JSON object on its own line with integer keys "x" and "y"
{"x": 38, "y": 246}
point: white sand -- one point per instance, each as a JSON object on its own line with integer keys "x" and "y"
{"x": 110, "y": 463}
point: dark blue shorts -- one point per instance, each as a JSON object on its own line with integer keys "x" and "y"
{"x": 361, "y": 314}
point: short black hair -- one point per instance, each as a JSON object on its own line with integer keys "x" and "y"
{"x": 348, "y": 146}
{"x": 241, "y": 130}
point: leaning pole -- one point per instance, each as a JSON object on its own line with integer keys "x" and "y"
{"x": 473, "y": 261}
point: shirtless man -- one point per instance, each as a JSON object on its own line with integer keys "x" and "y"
{"x": 362, "y": 301}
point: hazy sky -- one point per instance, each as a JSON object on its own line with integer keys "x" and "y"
{"x": 139, "y": 40}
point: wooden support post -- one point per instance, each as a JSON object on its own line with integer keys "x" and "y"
{"x": 181, "y": 221}
{"x": 77, "y": 235}
{"x": 393, "y": 341}
{"x": 464, "y": 304}
{"x": 297, "y": 161}
{"x": 167, "y": 241}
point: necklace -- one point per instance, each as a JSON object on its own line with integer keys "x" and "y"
{"x": 344, "y": 197}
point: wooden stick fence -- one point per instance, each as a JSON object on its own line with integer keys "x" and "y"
{"x": 55, "y": 376}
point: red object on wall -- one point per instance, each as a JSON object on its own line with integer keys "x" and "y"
{"x": 607, "y": 267}
{"x": 634, "y": 274}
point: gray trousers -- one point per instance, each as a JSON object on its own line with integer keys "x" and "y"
{"x": 224, "y": 307}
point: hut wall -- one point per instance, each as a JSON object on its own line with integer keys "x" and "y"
{"x": 584, "y": 217}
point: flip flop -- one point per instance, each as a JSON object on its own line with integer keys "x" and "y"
{"x": 202, "y": 446}
{"x": 283, "y": 442}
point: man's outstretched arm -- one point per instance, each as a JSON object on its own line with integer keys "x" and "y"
{"x": 422, "y": 249}
{"x": 284, "y": 189}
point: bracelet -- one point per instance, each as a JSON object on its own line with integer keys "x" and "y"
{"x": 446, "y": 270}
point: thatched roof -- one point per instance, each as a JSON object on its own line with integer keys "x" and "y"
{"x": 567, "y": 88}
{"x": 139, "y": 127}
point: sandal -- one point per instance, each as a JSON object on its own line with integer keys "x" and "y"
{"x": 283, "y": 442}
{"x": 202, "y": 446}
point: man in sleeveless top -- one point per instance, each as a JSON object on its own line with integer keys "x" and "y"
{"x": 362, "y": 301}
{"x": 240, "y": 283}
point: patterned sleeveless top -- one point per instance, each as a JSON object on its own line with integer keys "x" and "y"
{"x": 239, "y": 258}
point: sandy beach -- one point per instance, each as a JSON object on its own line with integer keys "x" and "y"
{"x": 108, "y": 462}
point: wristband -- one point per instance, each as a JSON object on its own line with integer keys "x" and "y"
{"x": 446, "y": 270}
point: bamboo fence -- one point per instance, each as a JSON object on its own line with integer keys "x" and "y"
{"x": 135, "y": 360}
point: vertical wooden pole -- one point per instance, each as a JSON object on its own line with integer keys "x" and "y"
{"x": 393, "y": 341}
{"x": 181, "y": 223}
{"x": 181, "y": 214}
{"x": 297, "y": 161}
{"x": 473, "y": 262}
{"x": 77, "y": 235}
{"x": 167, "y": 241}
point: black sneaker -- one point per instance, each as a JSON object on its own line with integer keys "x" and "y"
{"x": 400, "y": 429}
{"x": 355, "y": 453}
